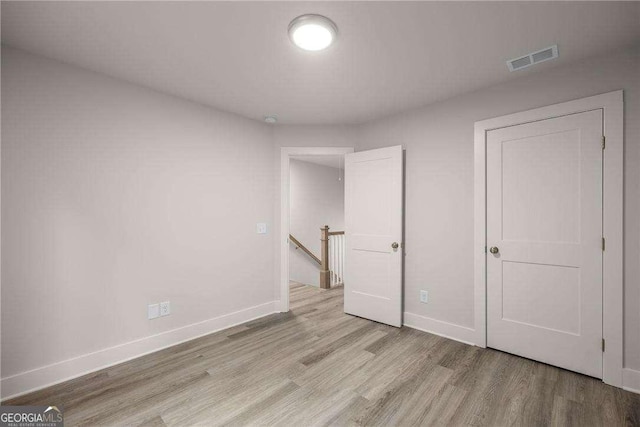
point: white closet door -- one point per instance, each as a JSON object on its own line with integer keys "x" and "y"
{"x": 544, "y": 237}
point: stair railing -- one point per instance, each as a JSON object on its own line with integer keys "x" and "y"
{"x": 331, "y": 261}
{"x": 304, "y": 249}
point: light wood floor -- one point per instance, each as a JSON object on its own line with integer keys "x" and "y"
{"x": 318, "y": 366}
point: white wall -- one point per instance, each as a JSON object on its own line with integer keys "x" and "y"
{"x": 439, "y": 182}
{"x": 316, "y": 199}
{"x": 115, "y": 196}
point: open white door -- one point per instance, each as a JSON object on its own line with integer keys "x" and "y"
{"x": 373, "y": 230}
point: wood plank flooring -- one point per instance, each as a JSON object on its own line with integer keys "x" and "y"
{"x": 318, "y": 366}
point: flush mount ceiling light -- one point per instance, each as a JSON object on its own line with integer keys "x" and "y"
{"x": 271, "y": 119}
{"x": 312, "y": 32}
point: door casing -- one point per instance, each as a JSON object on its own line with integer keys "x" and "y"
{"x": 612, "y": 105}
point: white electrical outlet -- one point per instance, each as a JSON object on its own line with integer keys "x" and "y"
{"x": 153, "y": 311}
{"x": 261, "y": 228}
{"x": 165, "y": 308}
{"x": 424, "y": 296}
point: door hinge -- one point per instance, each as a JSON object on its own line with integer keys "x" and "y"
{"x": 604, "y": 143}
{"x": 603, "y": 345}
{"x": 603, "y": 244}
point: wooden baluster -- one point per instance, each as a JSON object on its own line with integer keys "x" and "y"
{"x": 325, "y": 279}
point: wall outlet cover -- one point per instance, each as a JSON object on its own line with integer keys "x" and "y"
{"x": 165, "y": 308}
{"x": 261, "y": 228}
{"x": 424, "y": 296}
{"x": 153, "y": 311}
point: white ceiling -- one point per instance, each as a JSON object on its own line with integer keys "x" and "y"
{"x": 390, "y": 56}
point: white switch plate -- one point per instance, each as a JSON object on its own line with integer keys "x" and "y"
{"x": 261, "y": 228}
{"x": 424, "y": 296}
{"x": 153, "y": 311}
{"x": 165, "y": 308}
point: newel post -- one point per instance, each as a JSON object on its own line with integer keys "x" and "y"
{"x": 325, "y": 278}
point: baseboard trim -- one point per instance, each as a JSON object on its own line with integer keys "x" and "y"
{"x": 631, "y": 380}
{"x": 39, "y": 378}
{"x": 439, "y": 327}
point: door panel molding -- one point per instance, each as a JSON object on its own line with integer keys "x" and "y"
{"x": 612, "y": 106}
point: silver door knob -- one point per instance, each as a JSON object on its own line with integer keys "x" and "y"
{"x": 395, "y": 245}
{"x": 494, "y": 249}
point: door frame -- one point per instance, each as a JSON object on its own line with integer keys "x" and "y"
{"x": 285, "y": 157}
{"x": 612, "y": 105}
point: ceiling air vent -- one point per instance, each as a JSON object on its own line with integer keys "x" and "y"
{"x": 545, "y": 54}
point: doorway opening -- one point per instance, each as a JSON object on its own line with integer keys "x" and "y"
{"x": 312, "y": 220}
{"x": 372, "y": 249}
{"x": 316, "y": 223}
